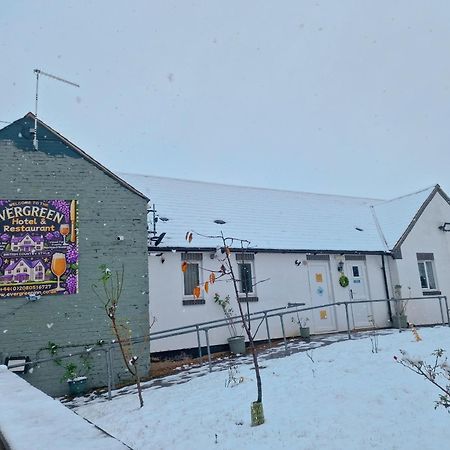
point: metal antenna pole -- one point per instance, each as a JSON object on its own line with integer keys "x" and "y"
{"x": 154, "y": 220}
{"x": 40, "y": 72}
{"x": 35, "y": 141}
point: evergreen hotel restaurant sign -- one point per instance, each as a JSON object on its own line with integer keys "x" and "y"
{"x": 38, "y": 247}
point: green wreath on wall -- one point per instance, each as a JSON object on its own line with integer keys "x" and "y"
{"x": 343, "y": 280}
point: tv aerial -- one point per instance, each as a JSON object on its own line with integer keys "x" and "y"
{"x": 154, "y": 239}
{"x": 39, "y": 72}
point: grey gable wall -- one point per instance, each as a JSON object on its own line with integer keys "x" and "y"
{"x": 106, "y": 210}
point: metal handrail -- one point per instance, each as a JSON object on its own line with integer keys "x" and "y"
{"x": 224, "y": 320}
{"x": 219, "y": 323}
{"x": 280, "y": 312}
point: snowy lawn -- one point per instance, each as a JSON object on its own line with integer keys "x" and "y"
{"x": 346, "y": 397}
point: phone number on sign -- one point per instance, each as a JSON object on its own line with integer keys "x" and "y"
{"x": 18, "y": 289}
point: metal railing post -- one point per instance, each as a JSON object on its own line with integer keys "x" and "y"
{"x": 397, "y": 313}
{"x": 208, "y": 349}
{"x": 267, "y": 327}
{"x": 199, "y": 344}
{"x": 348, "y": 320}
{"x": 108, "y": 371}
{"x": 284, "y": 334}
{"x": 111, "y": 365}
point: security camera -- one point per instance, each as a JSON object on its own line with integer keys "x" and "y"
{"x": 120, "y": 238}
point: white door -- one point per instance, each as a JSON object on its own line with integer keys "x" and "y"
{"x": 361, "y": 313}
{"x": 319, "y": 283}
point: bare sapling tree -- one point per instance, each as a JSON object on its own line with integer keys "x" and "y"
{"x": 227, "y": 272}
{"x": 109, "y": 292}
{"x": 437, "y": 372}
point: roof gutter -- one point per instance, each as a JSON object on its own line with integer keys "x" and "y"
{"x": 273, "y": 250}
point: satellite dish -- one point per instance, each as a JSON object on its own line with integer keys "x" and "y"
{"x": 159, "y": 239}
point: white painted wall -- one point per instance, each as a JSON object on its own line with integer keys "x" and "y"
{"x": 287, "y": 283}
{"x": 425, "y": 237}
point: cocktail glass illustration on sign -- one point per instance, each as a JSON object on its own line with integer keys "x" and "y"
{"x": 64, "y": 230}
{"x": 58, "y": 267}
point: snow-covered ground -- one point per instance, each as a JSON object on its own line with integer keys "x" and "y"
{"x": 30, "y": 419}
{"x": 341, "y": 396}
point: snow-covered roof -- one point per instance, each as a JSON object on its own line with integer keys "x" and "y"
{"x": 394, "y": 216}
{"x": 275, "y": 219}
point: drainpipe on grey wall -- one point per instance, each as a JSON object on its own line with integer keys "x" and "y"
{"x": 386, "y": 286}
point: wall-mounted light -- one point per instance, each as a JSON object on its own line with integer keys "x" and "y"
{"x": 445, "y": 226}
{"x": 21, "y": 363}
{"x": 340, "y": 266}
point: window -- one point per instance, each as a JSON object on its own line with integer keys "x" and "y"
{"x": 191, "y": 276}
{"x": 246, "y": 278}
{"x": 425, "y": 262}
{"x": 426, "y": 275}
{"x": 245, "y": 274}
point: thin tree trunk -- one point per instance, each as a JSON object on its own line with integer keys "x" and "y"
{"x": 246, "y": 327}
{"x": 139, "y": 389}
{"x": 132, "y": 369}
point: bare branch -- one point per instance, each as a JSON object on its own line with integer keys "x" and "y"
{"x": 258, "y": 327}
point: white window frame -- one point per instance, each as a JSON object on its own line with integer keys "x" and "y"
{"x": 251, "y": 293}
{"x": 190, "y": 260}
{"x": 428, "y": 266}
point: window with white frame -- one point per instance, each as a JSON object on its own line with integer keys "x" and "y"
{"x": 425, "y": 262}
{"x": 192, "y": 273}
{"x": 246, "y": 276}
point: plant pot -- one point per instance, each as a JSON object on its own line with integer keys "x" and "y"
{"x": 399, "y": 321}
{"x": 237, "y": 345}
{"x": 304, "y": 332}
{"x": 77, "y": 386}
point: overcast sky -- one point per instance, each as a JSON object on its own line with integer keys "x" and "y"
{"x": 345, "y": 97}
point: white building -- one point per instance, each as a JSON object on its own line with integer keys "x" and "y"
{"x": 298, "y": 242}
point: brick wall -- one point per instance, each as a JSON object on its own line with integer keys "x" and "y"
{"x": 106, "y": 210}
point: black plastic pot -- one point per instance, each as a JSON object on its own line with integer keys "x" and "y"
{"x": 77, "y": 386}
{"x": 237, "y": 345}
